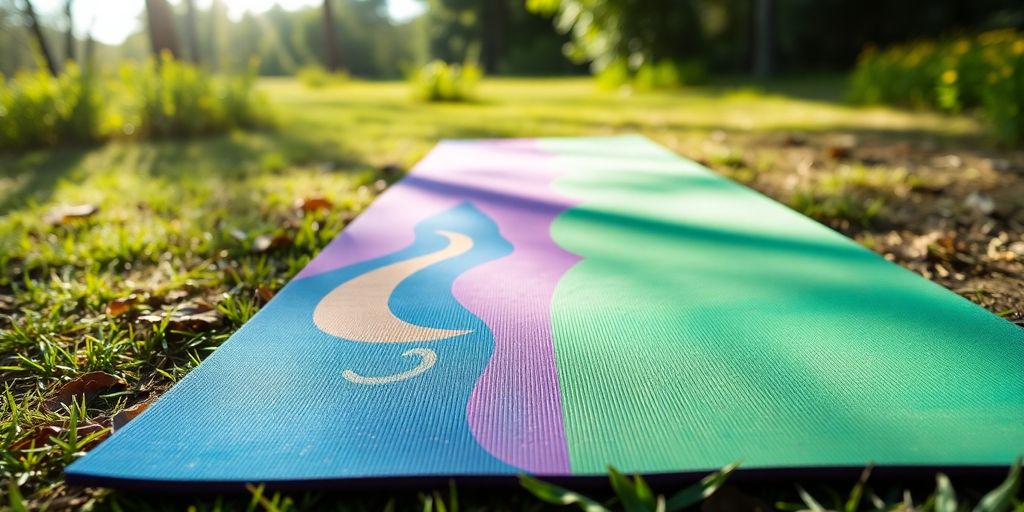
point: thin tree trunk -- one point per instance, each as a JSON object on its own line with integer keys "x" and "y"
{"x": 330, "y": 44}
{"x": 37, "y": 31}
{"x": 162, "y": 36}
{"x": 764, "y": 37}
{"x": 193, "y": 33}
{"x": 214, "y": 35}
{"x": 69, "y": 37}
{"x": 488, "y": 50}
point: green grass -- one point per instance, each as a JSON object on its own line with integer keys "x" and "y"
{"x": 178, "y": 221}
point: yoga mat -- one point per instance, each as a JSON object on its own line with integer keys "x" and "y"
{"x": 554, "y": 306}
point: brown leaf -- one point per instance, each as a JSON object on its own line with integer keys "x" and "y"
{"x": 267, "y": 243}
{"x": 89, "y": 429}
{"x": 67, "y": 213}
{"x": 794, "y": 140}
{"x": 39, "y": 437}
{"x": 88, "y": 385}
{"x": 188, "y": 316}
{"x": 838, "y": 152}
{"x": 122, "y": 418}
{"x": 264, "y": 293}
{"x": 119, "y": 307}
{"x": 314, "y": 203}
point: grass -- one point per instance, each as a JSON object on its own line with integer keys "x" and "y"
{"x": 191, "y": 237}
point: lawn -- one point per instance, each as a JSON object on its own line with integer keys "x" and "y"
{"x": 190, "y": 238}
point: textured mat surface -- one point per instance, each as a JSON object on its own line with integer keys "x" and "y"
{"x": 558, "y": 305}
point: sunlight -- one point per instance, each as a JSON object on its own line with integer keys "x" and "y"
{"x": 113, "y": 26}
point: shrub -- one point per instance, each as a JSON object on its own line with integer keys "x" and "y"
{"x": 316, "y": 77}
{"x": 170, "y": 99}
{"x": 985, "y": 72}
{"x": 37, "y": 109}
{"x": 177, "y": 99}
{"x": 439, "y": 81}
{"x": 663, "y": 74}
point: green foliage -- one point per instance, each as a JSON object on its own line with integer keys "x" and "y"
{"x": 1001, "y": 499}
{"x": 664, "y": 74}
{"x": 985, "y": 72}
{"x": 632, "y": 494}
{"x": 176, "y": 99}
{"x": 316, "y": 77}
{"x": 166, "y": 99}
{"x": 439, "y": 81}
{"x": 609, "y": 32}
{"x": 37, "y": 109}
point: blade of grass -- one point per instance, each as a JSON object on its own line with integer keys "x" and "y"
{"x": 557, "y": 495}
{"x": 700, "y": 491}
{"x": 1001, "y": 498}
{"x": 945, "y": 496}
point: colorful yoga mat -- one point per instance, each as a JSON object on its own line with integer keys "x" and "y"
{"x": 557, "y": 305}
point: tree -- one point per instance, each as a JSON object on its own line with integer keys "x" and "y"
{"x": 764, "y": 37}
{"x": 630, "y": 31}
{"x": 69, "y": 37}
{"x": 193, "y": 32}
{"x": 332, "y": 61}
{"x": 162, "y": 36}
{"x": 37, "y": 31}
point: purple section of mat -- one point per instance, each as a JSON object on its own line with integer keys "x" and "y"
{"x": 515, "y": 411}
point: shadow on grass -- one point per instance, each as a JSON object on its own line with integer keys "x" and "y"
{"x": 36, "y": 174}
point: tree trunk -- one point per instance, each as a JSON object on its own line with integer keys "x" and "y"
{"x": 37, "y": 31}
{"x": 193, "y": 33}
{"x": 331, "y": 61}
{"x": 495, "y": 14}
{"x": 69, "y": 38}
{"x": 162, "y": 36}
{"x": 215, "y": 17}
{"x": 764, "y": 37}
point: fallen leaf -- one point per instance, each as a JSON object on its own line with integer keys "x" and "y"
{"x": 189, "y": 316}
{"x": 264, "y": 293}
{"x": 838, "y": 152}
{"x": 267, "y": 243}
{"x": 312, "y": 204}
{"x": 122, "y": 418}
{"x": 119, "y": 307}
{"x": 794, "y": 140}
{"x": 88, "y": 385}
{"x": 39, "y": 437}
{"x": 67, "y": 213}
{"x": 90, "y": 429}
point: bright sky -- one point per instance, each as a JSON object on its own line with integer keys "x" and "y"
{"x": 117, "y": 19}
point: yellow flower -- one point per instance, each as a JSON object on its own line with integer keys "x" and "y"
{"x": 949, "y": 76}
{"x": 1018, "y": 47}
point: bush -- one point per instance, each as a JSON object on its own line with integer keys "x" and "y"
{"x": 316, "y": 77}
{"x": 37, "y": 109}
{"x": 663, "y": 74}
{"x": 439, "y": 81}
{"x": 172, "y": 99}
{"x": 985, "y": 72}
{"x": 177, "y": 99}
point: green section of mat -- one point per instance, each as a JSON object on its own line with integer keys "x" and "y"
{"x": 707, "y": 323}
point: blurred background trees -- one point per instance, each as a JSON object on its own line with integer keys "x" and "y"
{"x": 516, "y": 37}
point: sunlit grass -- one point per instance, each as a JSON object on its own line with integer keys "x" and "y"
{"x": 181, "y": 217}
